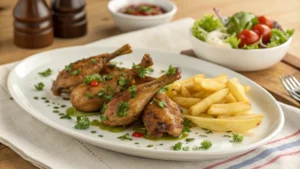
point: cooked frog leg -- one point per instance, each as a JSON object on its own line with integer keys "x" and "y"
{"x": 91, "y": 98}
{"x": 74, "y": 73}
{"x": 159, "y": 120}
{"x": 124, "y": 109}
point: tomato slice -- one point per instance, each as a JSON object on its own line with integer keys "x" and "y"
{"x": 266, "y": 21}
{"x": 137, "y": 134}
{"x": 263, "y": 31}
{"x": 94, "y": 83}
{"x": 247, "y": 37}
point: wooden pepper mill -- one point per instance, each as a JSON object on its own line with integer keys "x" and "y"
{"x": 69, "y": 18}
{"x": 32, "y": 24}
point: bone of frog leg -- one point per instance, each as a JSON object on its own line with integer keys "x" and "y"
{"x": 91, "y": 98}
{"x": 74, "y": 73}
{"x": 159, "y": 120}
{"x": 127, "y": 107}
{"x": 145, "y": 79}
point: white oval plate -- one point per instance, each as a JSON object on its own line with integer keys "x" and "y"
{"x": 24, "y": 76}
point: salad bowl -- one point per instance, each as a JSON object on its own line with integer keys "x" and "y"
{"x": 239, "y": 59}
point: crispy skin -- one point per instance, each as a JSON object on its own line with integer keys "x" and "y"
{"x": 82, "y": 103}
{"x": 144, "y": 94}
{"x": 66, "y": 81}
{"x": 159, "y": 120}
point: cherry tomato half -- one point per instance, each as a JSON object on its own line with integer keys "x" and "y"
{"x": 94, "y": 83}
{"x": 137, "y": 134}
{"x": 247, "y": 37}
{"x": 266, "y": 21}
{"x": 264, "y": 31}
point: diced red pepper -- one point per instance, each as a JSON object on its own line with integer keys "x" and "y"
{"x": 94, "y": 83}
{"x": 137, "y": 134}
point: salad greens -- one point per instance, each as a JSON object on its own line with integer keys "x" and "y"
{"x": 242, "y": 30}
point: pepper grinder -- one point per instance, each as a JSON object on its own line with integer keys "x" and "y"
{"x": 32, "y": 24}
{"x": 69, "y": 18}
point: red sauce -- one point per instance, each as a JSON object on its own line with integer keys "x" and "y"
{"x": 143, "y": 10}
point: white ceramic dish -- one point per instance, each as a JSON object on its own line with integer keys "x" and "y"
{"x": 130, "y": 23}
{"x": 239, "y": 59}
{"x": 23, "y": 77}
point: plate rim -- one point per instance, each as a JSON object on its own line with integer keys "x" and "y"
{"x": 125, "y": 149}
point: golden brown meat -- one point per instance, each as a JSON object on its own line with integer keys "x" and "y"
{"x": 162, "y": 118}
{"x": 74, "y": 73}
{"x": 86, "y": 97}
{"x": 127, "y": 106}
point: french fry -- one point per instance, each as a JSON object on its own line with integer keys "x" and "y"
{"x": 248, "y": 116}
{"x": 205, "y": 116}
{"x": 186, "y": 101}
{"x": 246, "y": 88}
{"x": 201, "y": 94}
{"x": 223, "y": 116}
{"x": 222, "y": 79}
{"x": 209, "y": 84}
{"x": 174, "y": 86}
{"x": 185, "y": 92}
{"x": 230, "y": 108}
{"x": 191, "y": 78}
{"x": 237, "y": 90}
{"x": 229, "y": 98}
{"x": 204, "y": 104}
{"x": 223, "y": 125}
{"x": 184, "y": 111}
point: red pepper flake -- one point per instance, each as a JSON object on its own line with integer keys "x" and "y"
{"x": 94, "y": 83}
{"x": 137, "y": 134}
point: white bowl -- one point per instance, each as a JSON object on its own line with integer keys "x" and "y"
{"x": 239, "y": 59}
{"x": 130, "y": 22}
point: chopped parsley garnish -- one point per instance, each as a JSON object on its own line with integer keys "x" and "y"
{"x": 103, "y": 108}
{"x": 11, "y": 98}
{"x": 76, "y": 72}
{"x": 104, "y": 95}
{"x": 46, "y": 73}
{"x": 132, "y": 90}
{"x": 189, "y": 140}
{"x": 150, "y": 70}
{"x": 55, "y": 107}
{"x": 93, "y": 61}
{"x": 150, "y": 145}
{"x": 44, "y": 98}
{"x": 107, "y": 77}
{"x": 237, "y": 138}
{"x": 68, "y": 68}
{"x": 66, "y": 116}
{"x": 122, "y": 109}
{"x": 202, "y": 135}
{"x": 63, "y": 106}
{"x": 92, "y": 77}
{"x": 226, "y": 135}
{"x": 89, "y": 95}
{"x": 177, "y": 146}
{"x": 161, "y": 104}
{"x": 108, "y": 97}
{"x": 162, "y": 71}
{"x": 206, "y": 144}
{"x": 141, "y": 130}
{"x": 100, "y": 135}
{"x": 103, "y": 117}
{"x": 93, "y": 131}
{"x": 82, "y": 123}
{"x": 163, "y": 89}
{"x": 207, "y": 131}
{"x": 142, "y": 72}
{"x": 125, "y": 137}
{"x": 55, "y": 111}
{"x": 40, "y": 86}
{"x": 136, "y": 143}
{"x": 186, "y": 148}
{"x": 101, "y": 93}
{"x": 171, "y": 70}
{"x": 122, "y": 81}
{"x": 60, "y": 114}
{"x": 187, "y": 125}
{"x": 36, "y": 98}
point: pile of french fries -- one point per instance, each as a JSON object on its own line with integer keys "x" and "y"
{"x": 217, "y": 104}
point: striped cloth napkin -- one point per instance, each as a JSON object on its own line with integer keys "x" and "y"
{"x": 48, "y": 148}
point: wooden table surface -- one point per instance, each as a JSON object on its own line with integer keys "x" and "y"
{"x": 101, "y": 25}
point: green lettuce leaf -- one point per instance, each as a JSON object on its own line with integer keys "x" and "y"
{"x": 205, "y": 25}
{"x": 279, "y": 37}
{"x": 241, "y": 21}
{"x": 233, "y": 41}
{"x": 252, "y": 46}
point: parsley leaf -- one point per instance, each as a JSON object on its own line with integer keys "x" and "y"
{"x": 92, "y": 77}
{"x": 66, "y": 116}
{"x": 206, "y": 144}
{"x": 46, "y": 73}
{"x": 132, "y": 90}
{"x": 171, "y": 70}
{"x": 40, "y": 86}
{"x": 68, "y": 68}
{"x": 82, "y": 123}
{"x": 89, "y": 95}
{"x": 186, "y": 148}
{"x": 177, "y": 146}
{"x": 122, "y": 109}
{"x": 187, "y": 125}
{"x": 103, "y": 117}
{"x": 125, "y": 137}
{"x": 163, "y": 89}
{"x": 93, "y": 61}
{"x": 107, "y": 77}
{"x": 189, "y": 140}
{"x": 76, "y": 72}
{"x": 161, "y": 104}
{"x": 103, "y": 108}
{"x": 122, "y": 81}
{"x": 237, "y": 138}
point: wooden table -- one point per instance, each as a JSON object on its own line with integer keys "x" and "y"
{"x": 101, "y": 25}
